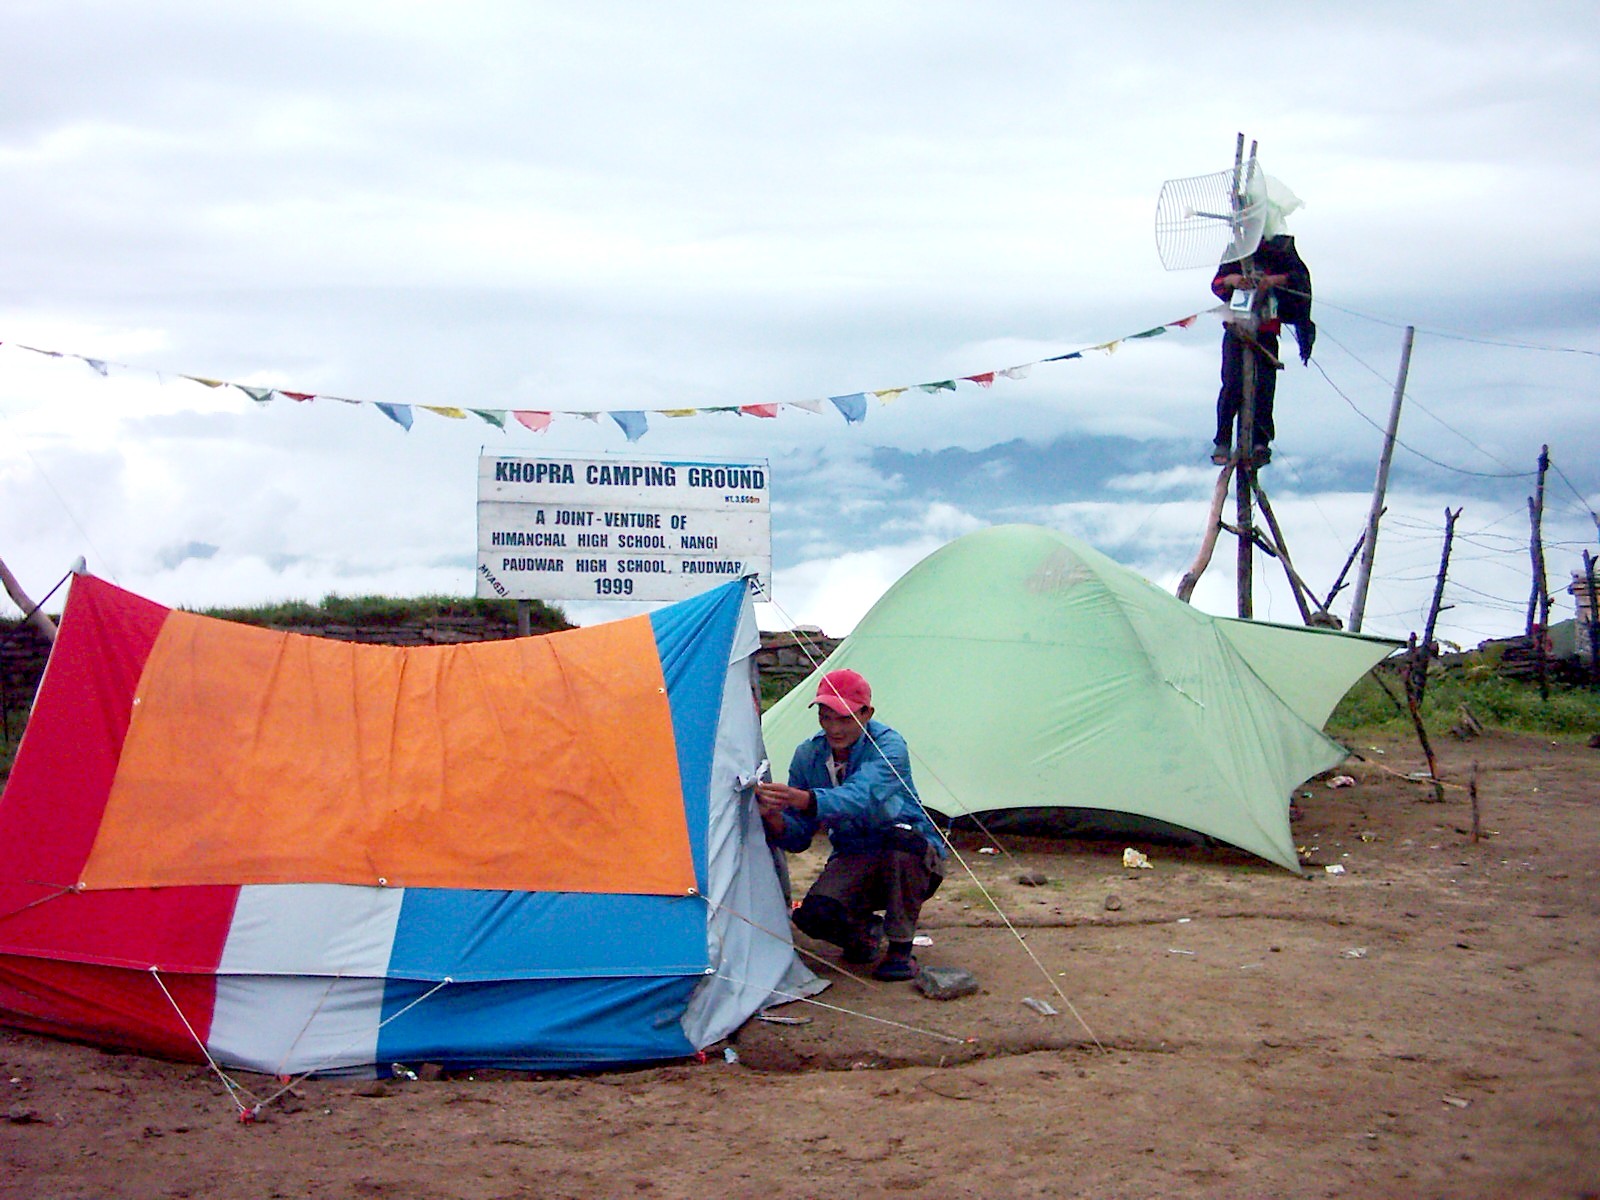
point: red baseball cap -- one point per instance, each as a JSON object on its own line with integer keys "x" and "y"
{"x": 843, "y": 692}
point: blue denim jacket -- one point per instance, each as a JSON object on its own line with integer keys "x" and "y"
{"x": 875, "y": 794}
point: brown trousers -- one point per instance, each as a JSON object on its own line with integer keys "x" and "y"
{"x": 895, "y": 882}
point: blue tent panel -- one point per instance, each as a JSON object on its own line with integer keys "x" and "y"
{"x": 694, "y": 638}
{"x": 544, "y": 935}
{"x": 555, "y": 1024}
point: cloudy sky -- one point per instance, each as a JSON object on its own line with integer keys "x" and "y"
{"x": 637, "y": 206}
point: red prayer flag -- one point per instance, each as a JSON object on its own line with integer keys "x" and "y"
{"x": 536, "y": 421}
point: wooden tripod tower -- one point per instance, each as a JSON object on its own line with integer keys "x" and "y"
{"x": 1241, "y": 466}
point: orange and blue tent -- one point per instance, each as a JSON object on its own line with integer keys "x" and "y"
{"x": 290, "y": 854}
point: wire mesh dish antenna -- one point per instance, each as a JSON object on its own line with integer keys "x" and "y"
{"x": 1207, "y": 219}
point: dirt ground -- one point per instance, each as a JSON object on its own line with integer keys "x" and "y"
{"x": 1426, "y": 1023}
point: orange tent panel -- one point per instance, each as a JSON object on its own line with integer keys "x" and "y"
{"x": 535, "y": 764}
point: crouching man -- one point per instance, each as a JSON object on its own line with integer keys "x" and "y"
{"x": 854, "y": 780}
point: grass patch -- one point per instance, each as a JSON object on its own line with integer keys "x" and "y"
{"x": 968, "y": 892}
{"x": 1500, "y": 703}
{"x": 776, "y": 687}
{"x": 389, "y": 610}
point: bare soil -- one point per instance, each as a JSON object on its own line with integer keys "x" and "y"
{"x": 1426, "y": 1023}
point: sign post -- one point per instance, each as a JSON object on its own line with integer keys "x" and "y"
{"x": 553, "y": 528}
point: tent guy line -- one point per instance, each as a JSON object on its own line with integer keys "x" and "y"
{"x": 230, "y": 1085}
{"x": 923, "y": 764}
{"x": 850, "y": 1012}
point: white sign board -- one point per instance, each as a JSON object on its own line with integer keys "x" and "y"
{"x": 552, "y": 528}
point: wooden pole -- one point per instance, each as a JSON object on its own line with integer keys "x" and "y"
{"x": 29, "y": 609}
{"x": 1369, "y": 549}
{"x": 1539, "y": 601}
{"x": 1244, "y": 442}
{"x": 1281, "y": 548}
{"x": 1243, "y": 449}
{"x": 1594, "y": 620}
{"x": 524, "y": 619}
{"x": 1420, "y": 655}
{"x": 1202, "y": 560}
{"x": 1536, "y": 541}
{"x": 1435, "y": 608}
{"x": 1415, "y": 655}
{"x": 1338, "y": 584}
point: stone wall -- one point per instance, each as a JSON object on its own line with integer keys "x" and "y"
{"x": 788, "y": 657}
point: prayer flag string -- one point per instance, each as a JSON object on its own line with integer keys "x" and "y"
{"x": 634, "y": 423}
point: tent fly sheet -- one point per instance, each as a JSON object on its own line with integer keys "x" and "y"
{"x": 291, "y": 854}
{"x": 1029, "y": 671}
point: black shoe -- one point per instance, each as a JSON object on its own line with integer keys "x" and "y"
{"x": 867, "y": 945}
{"x": 1221, "y": 452}
{"x": 1262, "y": 456}
{"x": 897, "y": 966}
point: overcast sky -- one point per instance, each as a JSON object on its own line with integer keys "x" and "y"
{"x": 632, "y": 206}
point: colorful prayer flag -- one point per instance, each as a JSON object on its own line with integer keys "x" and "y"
{"x": 400, "y": 414}
{"x": 853, "y": 406}
{"x": 632, "y": 424}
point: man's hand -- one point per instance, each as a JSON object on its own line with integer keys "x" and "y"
{"x": 779, "y": 796}
{"x": 774, "y": 799}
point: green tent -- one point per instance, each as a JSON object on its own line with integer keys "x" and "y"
{"x": 1027, "y": 670}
